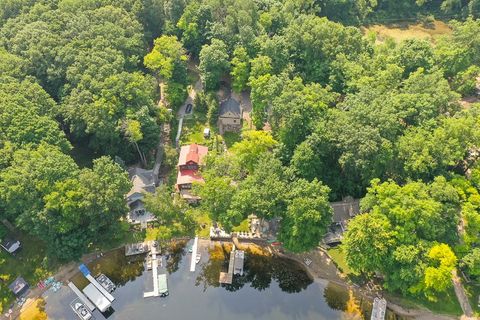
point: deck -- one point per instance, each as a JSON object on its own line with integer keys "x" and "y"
{"x": 155, "y": 292}
{"x": 379, "y": 309}
{"x": 137, "y": 248}
{"x": 227, "y": 277}
{"x": 194, "y": 255}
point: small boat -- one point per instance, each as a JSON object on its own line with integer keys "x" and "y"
{"x": 106, "y": 283}
{"x": 82, "y": 312}
{"x": 198, "y": 257}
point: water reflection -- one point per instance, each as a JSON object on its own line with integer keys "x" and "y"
{"x": 115, "y": 265}
{"x": 259, "y": 271}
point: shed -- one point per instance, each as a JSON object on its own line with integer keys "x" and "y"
{"x": 19, "y": 286}
{"x": 10, "y": 245}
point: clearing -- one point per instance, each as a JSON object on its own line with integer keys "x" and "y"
{"x": 407, "y": 30}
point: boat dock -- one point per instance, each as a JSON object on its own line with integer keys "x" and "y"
{"x": 132, "y": 249}
{"x": 83, "y": 268}
{"x": 194, "y": 255}
{"x": 379, "y": 309}
{"x": 235, "y": 266}
{"x": 155, "y": 292}
{"x": 81, "y": 296}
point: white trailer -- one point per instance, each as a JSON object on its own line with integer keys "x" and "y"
{"x": 97, "y": 297}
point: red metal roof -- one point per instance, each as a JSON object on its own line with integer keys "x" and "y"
{"x": 188, "y": 176}
{"x": 193, "y": 152}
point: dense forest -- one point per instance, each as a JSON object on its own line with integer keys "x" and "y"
{"x": 349, "y": 116}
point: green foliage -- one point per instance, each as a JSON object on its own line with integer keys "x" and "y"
{"x": 400, "y": 236}
{"x": 465, "y": 82}
{"x": 214, "y": 63}
{"x": 167, "y": 59}
{"x": 307, "y": 217}
{"x": 171, "y": 212}
{"x": 240, "y": 69}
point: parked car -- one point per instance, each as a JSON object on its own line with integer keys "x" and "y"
{"x": 189, "y": 108}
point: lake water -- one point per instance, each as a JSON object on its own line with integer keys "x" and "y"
{"x": 272, "y": 288}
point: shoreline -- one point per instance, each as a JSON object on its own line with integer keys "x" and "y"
{"x": 326, "y": 271}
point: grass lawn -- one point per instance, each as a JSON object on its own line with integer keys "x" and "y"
{"x": 122, "y": 236}
{"x": 403, "y": 31}
{"x": 31, "y": 263}
{"x": 446, "y": 304}
{"x": 338, "y": 257}
{"x": 204, "y": 220}
{"x": 244, "y": 226}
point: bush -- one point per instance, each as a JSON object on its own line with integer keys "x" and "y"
{"x": 176, "y": 93}
{"x": 465, "y": 82}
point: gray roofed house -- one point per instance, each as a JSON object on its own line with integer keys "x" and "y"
{"x": 342, "y": 212}
{"x": 143, "y": 182}
{"x": 19, "y": 287}
{"x": 230, "y": 115}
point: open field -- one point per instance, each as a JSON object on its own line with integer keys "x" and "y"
{"x": 403, "y": 31}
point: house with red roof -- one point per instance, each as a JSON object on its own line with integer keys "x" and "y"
{"x": 191, "y": 158}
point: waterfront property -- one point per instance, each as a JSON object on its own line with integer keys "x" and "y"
{"x": 191, "y": 158}
{"x": 143, "y": 181}
{"x": 343, "y": 211}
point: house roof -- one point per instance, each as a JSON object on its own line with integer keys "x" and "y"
{"x": 188, "y": 176}
{"x": 142, "y": 180}
{"x": 11, "y": 245}
{"x": 230, "y": 105}
{"x": 193, "y": 152}
{"x": 345, "y": 210}
{"x": 18, "y": 286}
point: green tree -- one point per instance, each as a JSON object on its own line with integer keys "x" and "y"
{"x": 167, "y": 59}
{"x": 307, "y": 217}
{"x": 214, "y": 63}
{"x": 240, "y": 69}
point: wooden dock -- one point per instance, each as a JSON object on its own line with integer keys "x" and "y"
{"x": 194, "y": 255}
{"x": 155, "y": 292}
{"x": 227, "y": 277}
{"x": 82, "y": 297}
{"x": 379, "y": 309}
{"x": 137, "y": 248}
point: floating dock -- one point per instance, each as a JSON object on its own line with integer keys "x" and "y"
{"x": 132, "y": 249}
{"x": 155, "y": 292}
{"x": 235, "y": 266}
{"x": 194, "y": 255}
{"x": 379, "y": 309}
{"x": 83, "y": 268}
{"x": 82, "y": 297}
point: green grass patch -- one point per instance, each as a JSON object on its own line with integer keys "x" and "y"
{"x": 243, "y": 227}
{"x": 338, "y": 257}
{"x": 123, "y": 235}
{"x": 31, "y": 263}
{"x": 445, "y": 304}
{"x": 203, "y": 223}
